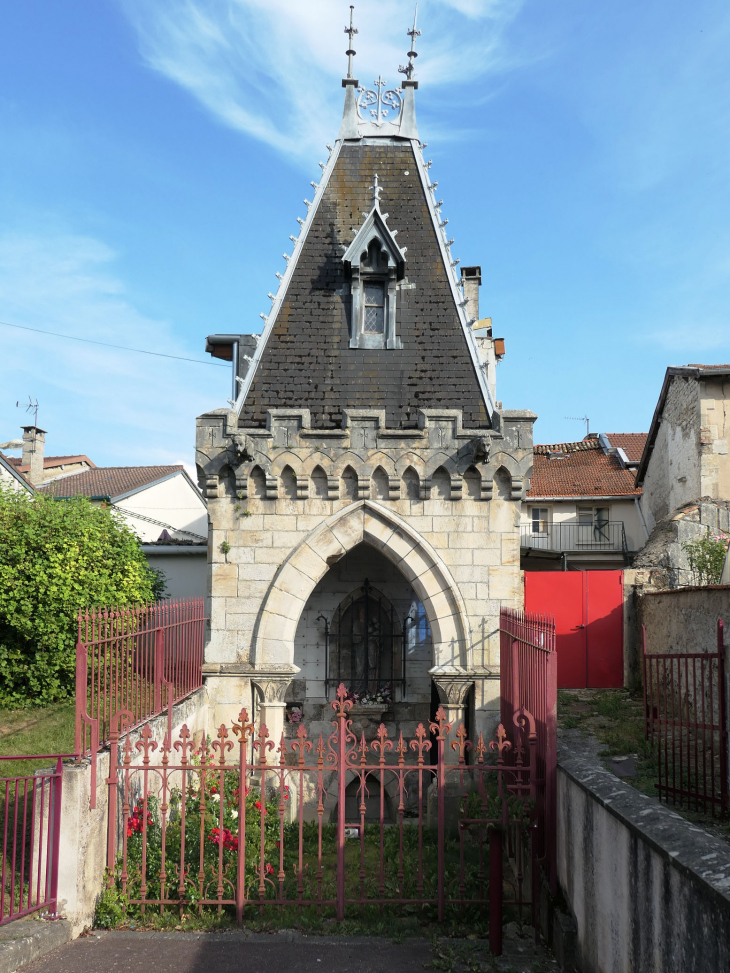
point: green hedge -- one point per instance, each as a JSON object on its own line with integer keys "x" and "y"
{"x": 57, "y": 556}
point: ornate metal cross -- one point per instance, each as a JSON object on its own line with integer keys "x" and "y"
{"x": 350, "y": 31}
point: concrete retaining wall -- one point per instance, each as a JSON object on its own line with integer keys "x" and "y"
{"x": 649, "y": 891}
{"x": 684, "y": 619}
{"x": 83, "y": 846}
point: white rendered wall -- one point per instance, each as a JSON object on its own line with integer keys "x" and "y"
{"x": 173, "y": 501}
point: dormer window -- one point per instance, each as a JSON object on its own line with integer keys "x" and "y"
{"x": 375, "y": 264}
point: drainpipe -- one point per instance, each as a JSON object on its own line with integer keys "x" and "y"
{"x": 641, "y": 517}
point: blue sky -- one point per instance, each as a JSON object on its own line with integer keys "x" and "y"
{"x": 155, "y": 156}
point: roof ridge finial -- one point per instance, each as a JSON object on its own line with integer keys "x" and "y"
{"x": 376, "y": 190}
{"x": 409, "y": 68}
{"x": 351, "y": 31}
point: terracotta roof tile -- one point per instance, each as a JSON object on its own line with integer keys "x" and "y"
{"x": 50, "y": 461}
{"x": 583, "y": 471}
{"x": 632, "y": 443}
{"x": 107, "y": 481}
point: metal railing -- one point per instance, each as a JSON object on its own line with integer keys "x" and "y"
{"x": 687, "y": 722}
{"x": 529, "y": 682}
{"x": 31, "y": 829}
{"x": 335, "y": 824}
{"x": 609, "y": 536}
{"x": 133, "y": 662}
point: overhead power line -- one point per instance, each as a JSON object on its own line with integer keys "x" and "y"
{"x": 105, "y": 344}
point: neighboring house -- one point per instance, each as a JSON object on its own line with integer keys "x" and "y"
{"x": 582, "y": 508}
{"x": 684, "y": 473}
{"x": 163, "y": 506}
{"x": 10, "y": 476}
{"x": 39, "y": 468}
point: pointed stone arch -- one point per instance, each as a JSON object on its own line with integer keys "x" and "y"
{"x": 369, "y": 523}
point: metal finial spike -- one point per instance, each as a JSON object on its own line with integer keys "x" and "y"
{"x": 280, "y": 276}
{"x": 292, "y": 238}
{"x": 271, "y": 297}
{"x": 350, "y": 31}
{"x": 433, "y": 186}
{"x": 413, "y": 33}
{"x": 449, "y": 242}
{"x": 300, "y": 221}
{"x": 328, "y": 147}
{"x": 443, "y": 223}
{"x": 376, "y": 189}
{"x": 286, "y": 257}
{"x": 307, "y": 203}
{"x": 262, "y": 315}
{"x": 322, "y": 165}
{"x": 313, "y": 184}
{"x": 429, "y": 163}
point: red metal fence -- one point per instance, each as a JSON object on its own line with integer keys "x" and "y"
{"x": 31, "y": 828}
{"x": 686, "y": 720}
{"x": 137, "y": 660}
{"x": 337, "y": 825}
{"x": 528, "y": 681}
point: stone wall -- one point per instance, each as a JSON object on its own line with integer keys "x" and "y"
{"x": 673, "y": 475}
{"x": 684, "y": 619}
{"x": 440, "y": 503}
{"x": 714, "y": 437}
{"x": 649, "y": 891}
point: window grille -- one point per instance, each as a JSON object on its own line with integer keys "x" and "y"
{"x": 365, "y": 645}
{"x": 374, "y": 322}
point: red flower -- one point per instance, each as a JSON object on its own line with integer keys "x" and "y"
{"x": 269, "y": 869}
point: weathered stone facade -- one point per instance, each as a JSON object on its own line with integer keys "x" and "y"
{"x": 351, "y": 463}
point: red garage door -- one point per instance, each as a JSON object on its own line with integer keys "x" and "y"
{"x": 589, "y": 624}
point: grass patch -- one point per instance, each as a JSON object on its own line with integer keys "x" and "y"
{"x": 615, "y": 717}
{"x": 48, "y": 729}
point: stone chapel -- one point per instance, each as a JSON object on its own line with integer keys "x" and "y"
{"x": 363, "y": 483}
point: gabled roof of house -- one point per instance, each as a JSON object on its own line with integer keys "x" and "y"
{"x": 9, "y": 465}
{"x": 113, "y": 482}
{"x": 49, "y": 462}
{"x": 579, "y": 470}
{"x": 632, "y": 443}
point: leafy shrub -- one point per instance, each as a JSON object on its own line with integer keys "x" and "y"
{"x": 706, "y": 558}
{"x": 57, "y": 556}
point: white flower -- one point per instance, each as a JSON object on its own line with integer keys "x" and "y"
{"x": 234, "y": 814}
{"x": 216, "y": 797}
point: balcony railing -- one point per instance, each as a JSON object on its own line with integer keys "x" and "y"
{"x": 574, "y": 538}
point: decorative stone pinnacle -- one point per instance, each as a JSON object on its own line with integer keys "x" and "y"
{"x": 409, "y": 68}
{"x": 350, "y": 31}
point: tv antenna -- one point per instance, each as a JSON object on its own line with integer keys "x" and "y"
{"x": 582, "y": 419}
{"x": 30, "y": 407}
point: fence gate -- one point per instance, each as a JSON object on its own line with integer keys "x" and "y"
{"x": 241, "y": 826}
{"x": 588, "y": 610}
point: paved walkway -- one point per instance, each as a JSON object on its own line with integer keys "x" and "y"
{"x": 286, "y": 951}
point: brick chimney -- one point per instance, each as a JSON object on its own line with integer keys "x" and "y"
{"x": 471, "y": 279}
{"x": 34, "y": 444}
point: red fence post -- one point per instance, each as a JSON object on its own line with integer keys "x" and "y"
{"x": 721, "y": 689}
{"x": 341, "y": 705}
{"x": 159, "y": 672}
{"x": 496, "y": 880}
{"x": 56, "y": 838}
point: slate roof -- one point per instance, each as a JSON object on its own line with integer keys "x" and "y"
{"x": 307, "y": 361}
{"x": 632, "y": 443}
{"x": 108, "y": 481}
{"x": 583, "y": 471}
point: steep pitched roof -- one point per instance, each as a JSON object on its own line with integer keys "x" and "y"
{"x": 109, "y": 481}
{"x": 304, "y": 359}
{"x": 632, "y": 443}
{"x": 579, "y": 470}
{"x": 7, "y": 463}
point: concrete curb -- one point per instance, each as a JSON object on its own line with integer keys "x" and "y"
{"x": 25, "y": 940}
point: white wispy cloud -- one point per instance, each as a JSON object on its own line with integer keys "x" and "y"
{"x": 269, "y": 68}
{"x": 116, "y": 406}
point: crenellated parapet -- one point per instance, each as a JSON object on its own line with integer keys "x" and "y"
{"x": 290, "y": 458}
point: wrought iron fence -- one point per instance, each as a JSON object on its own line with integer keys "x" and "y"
{"x": 31, "y": 830}
{"x": 137, "y": 660}
{"x": 600, "y": 536}
{"x": 686, "y": 720}
{"x": 336, "y": 824}
{"x": 529, "y": 681}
